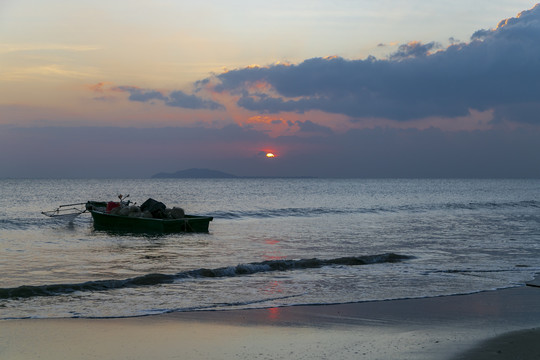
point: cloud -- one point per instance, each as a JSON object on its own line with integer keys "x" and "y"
{"x": 497, "y": 70}
{"x": 414, "y": 49}
{"x": 183, "y": 100}
{"x": 369, "y": 153}
{"x": 98, "y": 88}
{"x": 11, "y": 48}
{"x": 175, "y": 98}
{"x": 309, "y": 126}
{"x": 120, "y": 151}
{"x": 141, "y": 95}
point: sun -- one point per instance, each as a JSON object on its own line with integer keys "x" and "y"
{"x": 270, "y": 155}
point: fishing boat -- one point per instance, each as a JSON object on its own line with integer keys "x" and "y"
{"x": 119, "y": 216}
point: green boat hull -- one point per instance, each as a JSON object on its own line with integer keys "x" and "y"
{"x": 190, "y": 223}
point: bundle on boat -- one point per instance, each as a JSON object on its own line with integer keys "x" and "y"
{"x": 151, "y": 216}
{"x": 149, "y": 209}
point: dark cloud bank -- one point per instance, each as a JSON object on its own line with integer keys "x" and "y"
{"x": 498, "y": 69}
{"x": 119, "y": 152}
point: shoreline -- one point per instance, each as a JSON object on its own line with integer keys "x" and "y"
{"x": 503, "y": 323}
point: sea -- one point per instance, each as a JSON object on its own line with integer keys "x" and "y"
{"x": 272, "y": 243}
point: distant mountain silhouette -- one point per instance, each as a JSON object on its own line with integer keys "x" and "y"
{"x": 195, "y": 174}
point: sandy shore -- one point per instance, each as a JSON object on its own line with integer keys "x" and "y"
{"x": 491, "y": 325}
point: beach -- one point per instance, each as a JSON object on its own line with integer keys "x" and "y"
{"x": 501, "y": 324}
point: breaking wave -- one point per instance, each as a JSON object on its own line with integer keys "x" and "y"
{"x": 28, "y": 291}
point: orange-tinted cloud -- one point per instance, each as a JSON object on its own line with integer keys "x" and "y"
{"x": 100, "y": 87}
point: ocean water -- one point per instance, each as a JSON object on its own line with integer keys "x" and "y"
{"x": 273, "y": 242}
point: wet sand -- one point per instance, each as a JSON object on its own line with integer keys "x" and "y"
{"x": 501, "y": 324}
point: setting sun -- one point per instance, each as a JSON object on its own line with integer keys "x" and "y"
{"x": 270, "y": 155}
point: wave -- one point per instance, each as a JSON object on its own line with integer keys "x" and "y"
{"x": 28, "y": 291}
{"x": 516, "y": 268}
{"x": 35, "y": 223}
{"x": 284, "y": 212}
{"x": 21, "y": 224}
{"x": 494, "y": 205}
{"x": 416, "y": 208}
{"x": 30, "y": 223}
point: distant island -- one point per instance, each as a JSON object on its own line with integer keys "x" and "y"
{"x": 195, "y": 174}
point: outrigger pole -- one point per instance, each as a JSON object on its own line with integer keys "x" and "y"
{"x": 65, "y": 211}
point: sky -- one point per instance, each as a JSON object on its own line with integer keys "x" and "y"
{"x": 342, "y": 88}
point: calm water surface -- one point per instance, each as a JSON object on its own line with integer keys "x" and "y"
{"x": 273, "y": 242}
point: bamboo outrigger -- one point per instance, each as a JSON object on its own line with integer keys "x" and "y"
{"x": 66, "y": 212}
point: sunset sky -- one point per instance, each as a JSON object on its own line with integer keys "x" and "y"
{"x": 343, "y": 88}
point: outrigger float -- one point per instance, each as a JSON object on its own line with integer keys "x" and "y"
{"x": 151, "y": 217}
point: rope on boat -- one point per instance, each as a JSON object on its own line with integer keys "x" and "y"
{"x": 187, "y": 225}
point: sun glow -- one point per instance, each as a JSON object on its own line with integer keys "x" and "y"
{"x": 270, "y": 155}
